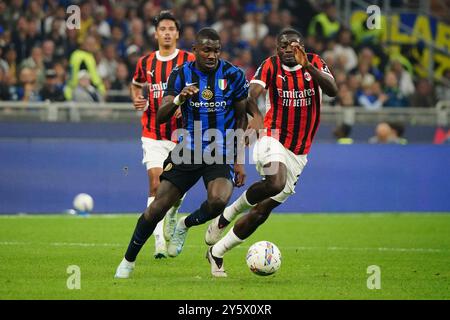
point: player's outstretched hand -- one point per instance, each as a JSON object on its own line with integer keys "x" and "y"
{"x": 188, "y": 92}
{"x": 300, "y": 54}
{"x": 140, "y": 103}
{"x": 239, "y": 175}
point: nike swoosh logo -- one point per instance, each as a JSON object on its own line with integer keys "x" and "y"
{"x": 190, "y": 84}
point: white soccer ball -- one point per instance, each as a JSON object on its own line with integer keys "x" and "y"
{"x": 263, "y": 258}
{"x": 83, "y": 203}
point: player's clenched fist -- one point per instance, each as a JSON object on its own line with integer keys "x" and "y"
{"x": 187, "y": 92}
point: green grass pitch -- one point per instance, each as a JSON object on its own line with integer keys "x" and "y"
{"x": 325, "y": 256}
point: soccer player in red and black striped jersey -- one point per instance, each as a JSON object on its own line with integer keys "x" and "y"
{"x": 147, "y": 89}
{"x": 293, "y": 81}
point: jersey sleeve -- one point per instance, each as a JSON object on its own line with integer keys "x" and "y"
{"x": 174, "y": 86}
{"x": 240, "y": 86}
{"x": 139, "y": 78}
{"x": 263, "y": 74}
{"x": 320, "y": 64}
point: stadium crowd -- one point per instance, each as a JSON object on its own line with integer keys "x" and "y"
{"x": 41, "y": 59}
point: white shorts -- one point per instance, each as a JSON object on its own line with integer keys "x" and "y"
{"x": 155, "y": 152}
{"x": 268, "y": 149}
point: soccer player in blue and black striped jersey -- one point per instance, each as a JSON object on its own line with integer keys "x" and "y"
{"x": 212, "y": 94}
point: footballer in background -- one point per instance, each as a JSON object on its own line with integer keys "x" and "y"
{"x": 147, "y": 89}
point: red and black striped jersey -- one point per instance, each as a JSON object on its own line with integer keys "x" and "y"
{"x": 154, "y": 70}
{"x": 293, "y": 100}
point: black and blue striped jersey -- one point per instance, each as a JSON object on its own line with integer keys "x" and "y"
{"x": 213, "y": 106}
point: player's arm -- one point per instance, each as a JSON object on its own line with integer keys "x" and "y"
{"x": 137, "y": 85}
{"x": 257, "y": 123}
{"x": 139, "y": 101}
{"x": 171, "y": 103}
{"x": 241, "y": 123}
{"x": 326, "y": 82}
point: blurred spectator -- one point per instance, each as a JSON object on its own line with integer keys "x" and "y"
{"x": 371, "y": 97}
{"x": 20, "y": 39}
{"x": 121, "y": 84}
{"x": 344, "y": 49}
{"x": 254, "y": 29}
{"x": 261, "y": 6}
{"x": 102, "y": 26}
{"x": 405, "y": 82}
{"x": 342, "y": 134}
{"x": 51, "y": 90}
{"x": 26, "y": 88}
{"x": 84, "y": 57}
{"x": 397, "y": 132}
{"x": 85, "y": 92}
{"x": 11, "y": 59}
{"x": 443, "y": 87}
{"x": 274, "y": 23}
{"x": 3, "y": 64}
{"x": 36, "y": 62}
{"x": 385, "y": 134}
{"x": 391, "y": 89}
{"x": 424, "y": 95}
{"x": 188, "y": 38}
{"x": 86, "y": 21}
{"x": 325, "y": 25}
{"x": 244, "y": 61}
{"x": 346, "y": 97}
{"x": 108, "y": 63}
{"x": 4, "y": 88}
{"x": 48, "y": 53}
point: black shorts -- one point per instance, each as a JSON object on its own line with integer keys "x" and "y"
{"x": 184, "y": 176}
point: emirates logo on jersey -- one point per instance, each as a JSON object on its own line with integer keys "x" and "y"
{"x": 307, "y": 76}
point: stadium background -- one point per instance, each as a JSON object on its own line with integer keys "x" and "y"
{"x": 55, "y": 143}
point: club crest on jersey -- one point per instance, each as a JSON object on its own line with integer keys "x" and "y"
{"x": 307, "y": 76}
{"x": 207, "y": 94}
{"x": 168, "y": 167}
{"x": 222, "y": 84}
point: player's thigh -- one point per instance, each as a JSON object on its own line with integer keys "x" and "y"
{"x": 268, "y": 155}
{"x": 155, "y": 152}
{"x": 183, "y": 176}
{"x": 275, "y": 178}
{"x": 218, "y": 179}
{"x": 296, "y": 164}
{"x": 167, "y": 195}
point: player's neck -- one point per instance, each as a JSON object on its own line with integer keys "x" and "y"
{"x": 165, "y": 52}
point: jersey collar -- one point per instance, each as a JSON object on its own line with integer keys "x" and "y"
{"x": 166, "y": 58}
{"x": 285, "y": 67}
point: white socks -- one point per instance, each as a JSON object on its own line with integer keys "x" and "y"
{"x": 240, "y": 205}
{"x": 226, "y": 244}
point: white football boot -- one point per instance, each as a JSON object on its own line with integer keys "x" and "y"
{"x": 217, "y": 269}
{"x": 125, "y": 269}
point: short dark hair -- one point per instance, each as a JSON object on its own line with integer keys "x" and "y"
{"x": 165, "y": 15}
{"x": 286, "y": 31}
{"x": 207, "y": 33}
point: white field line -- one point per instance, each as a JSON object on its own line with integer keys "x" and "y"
{"x": 123, "y": 245}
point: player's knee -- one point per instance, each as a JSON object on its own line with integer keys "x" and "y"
{"x": 217, "y": 204}
{"x": 155, "y": 210}
{"x": 275, "y": 185}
